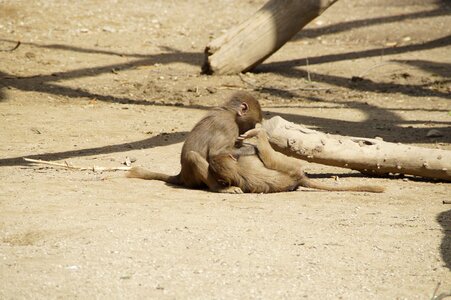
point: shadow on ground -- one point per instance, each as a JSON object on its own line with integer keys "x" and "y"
{"x": 390, "y": 127}
{"x": 444, "y": 219}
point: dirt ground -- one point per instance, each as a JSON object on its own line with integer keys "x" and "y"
{"x": 93, "y": 82}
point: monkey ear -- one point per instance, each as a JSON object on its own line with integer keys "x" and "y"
{"x": 243, "y": 109}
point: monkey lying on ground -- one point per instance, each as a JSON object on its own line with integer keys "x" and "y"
{"x": 209, "y": 156}
{"x": 270, "y": 171}
{"x": 213, "y": 136}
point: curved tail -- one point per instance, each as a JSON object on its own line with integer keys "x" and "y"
{"x": 142, "y": 173}
{"x": 308, "y": 183}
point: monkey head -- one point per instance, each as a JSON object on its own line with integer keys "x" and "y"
{"x": 247, "y": 110}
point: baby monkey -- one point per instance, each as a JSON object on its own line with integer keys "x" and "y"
{"x": 213, "y": 138}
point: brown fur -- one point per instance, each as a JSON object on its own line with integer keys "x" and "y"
{"x": 272, "y": 171}
{"x": 209, "y": 156}
{"x": 213, "y": 136}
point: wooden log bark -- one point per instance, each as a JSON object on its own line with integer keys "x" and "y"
{"x": 251, "y": 42}
{"x": 370, "y": 156}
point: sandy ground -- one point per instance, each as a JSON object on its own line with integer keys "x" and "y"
{"x": 93, "y": 82}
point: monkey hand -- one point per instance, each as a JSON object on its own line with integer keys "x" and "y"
{"x": 250, "y": 134}
{"x": 232, "y": 157}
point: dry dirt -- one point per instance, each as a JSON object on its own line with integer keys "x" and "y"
{"x": 95, "y": 81}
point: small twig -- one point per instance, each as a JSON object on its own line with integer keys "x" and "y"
{"x": 446, "y": 202}
{"x": 233, "y": 86}
{"x": 66, "y": 165}
{"x": 309, "y": 89}
{"x": 441, "y": 295}
{"x": 12, "y": 49}
{"x": 258, "y": 87}
{"x": 308, "y": 72}
{"x": 245, "y": 80}
{"x": 435, "y": 291}
{"x": 374, "y": 67}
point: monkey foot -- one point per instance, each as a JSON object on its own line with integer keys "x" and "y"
{"x": 230, "y": 190}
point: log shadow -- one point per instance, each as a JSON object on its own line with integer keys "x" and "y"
{"x": 330, "y": 175}
{"x": 379, "y": 122}
{"x": 444, "y": 219}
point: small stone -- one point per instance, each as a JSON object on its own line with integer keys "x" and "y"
{"x": 434, "y": 133}
{"x": 211, "y": 90}
{"x": 35, "y": 130}
{"x": 30, "y": 55}
{"x": 128, "y": 161}
{"x": 108, "y": 29}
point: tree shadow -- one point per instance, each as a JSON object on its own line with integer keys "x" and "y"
{"x": 389, "y": 129}
{"x": 155, "y": 141}
{"x": 442, "y": 69}
{"x": 46, "y": 83}
{"x": 382, "y": 51}
{"x": 349, "y": 25}
{"x": 444, "y": 219}
{"x": 288, "y": 69}
{"x": 41, "y": 84}
{"x": 300, "y": 105}
{"x": 170, "y": 50}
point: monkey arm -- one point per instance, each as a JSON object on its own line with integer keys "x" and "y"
{"x": 200, "y": 167}
{"x": 224, "y": 168}
{"x": 244, "y": 150}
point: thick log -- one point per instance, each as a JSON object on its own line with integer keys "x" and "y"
{"x": 251, "y": 42}
{"x": 369, "y": 156}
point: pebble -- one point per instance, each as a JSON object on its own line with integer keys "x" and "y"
{"x": 434, "y": 133}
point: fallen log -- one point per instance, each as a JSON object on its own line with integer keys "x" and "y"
{"x": 251, "y": 42}
{"x": 369, "y": 156}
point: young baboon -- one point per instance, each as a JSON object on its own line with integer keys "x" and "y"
{"x": 213, "y": 137}
{"x": 270, "y": 171}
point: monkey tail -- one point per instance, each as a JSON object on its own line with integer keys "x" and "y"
{"x": 308, "y": 183}
{"x": 142, "y": 173}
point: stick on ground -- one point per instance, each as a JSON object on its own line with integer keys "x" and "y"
{"x": 66, "y": 165}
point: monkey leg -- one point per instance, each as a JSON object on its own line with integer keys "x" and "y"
{"x": 200, "y": 166}
{"x": 293, "y": 167}
{"x": 272, "y": 159}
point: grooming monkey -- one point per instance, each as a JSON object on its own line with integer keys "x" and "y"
{"x": 209, "y": 156}
{"x": 213, "y": 136}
